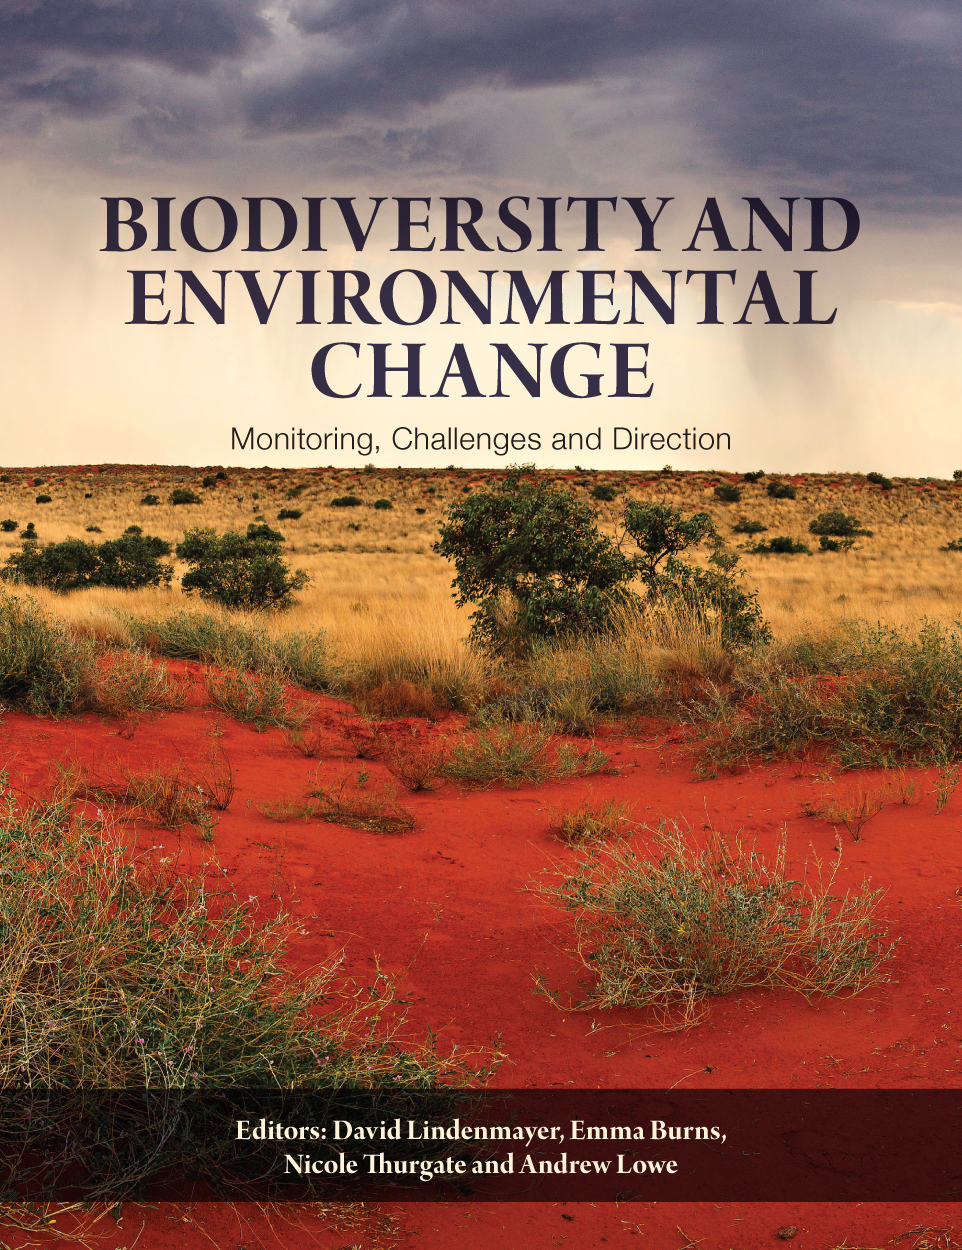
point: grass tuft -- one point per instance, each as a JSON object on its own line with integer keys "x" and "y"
{"x": 519, "y": 754}
{"x": 670, "y": 932}
{"x": 591, "y": 823}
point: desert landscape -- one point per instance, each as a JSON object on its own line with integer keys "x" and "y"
{"x": 407, "y": 820}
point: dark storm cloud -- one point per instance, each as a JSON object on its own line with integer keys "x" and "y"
{"x": 76, "y": 56}
{"x": 866, "y": 90}
{"x": 186, "y": 34}
{"x": 861, "y": 95}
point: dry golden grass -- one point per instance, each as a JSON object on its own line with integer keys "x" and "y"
{"x": 385, "y": 598}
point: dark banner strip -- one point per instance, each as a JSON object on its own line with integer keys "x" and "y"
{"x": 505, "y": 1145}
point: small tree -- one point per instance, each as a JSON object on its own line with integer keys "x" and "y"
{"x": 534, "y": 543}
{"x": 662, "y": 533}
{"x": 239, "y": 570}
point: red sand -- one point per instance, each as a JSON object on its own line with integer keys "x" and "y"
{"x": 446, "y": 906}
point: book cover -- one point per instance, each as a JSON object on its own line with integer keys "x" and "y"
{"x": 361, "y": 293}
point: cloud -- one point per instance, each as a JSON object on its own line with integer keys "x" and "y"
{"x": 189, "y": 35}
{"x": 840, "y": 96}
{"x": 866, "y": 94}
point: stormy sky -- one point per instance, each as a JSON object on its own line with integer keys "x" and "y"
{"x": 688, "y": 99}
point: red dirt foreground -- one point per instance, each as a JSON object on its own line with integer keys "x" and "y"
{"x": 446, "y": 907}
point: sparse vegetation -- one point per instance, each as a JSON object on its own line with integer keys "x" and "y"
{"x": 727, "y": 493}
{"x": 346, "y": 801}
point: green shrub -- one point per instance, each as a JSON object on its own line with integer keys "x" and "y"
{"x": 956, "y": 475}
{"x": 128, "y": 562}
{"x": 783, "y": 545}
{"x": 5, "y": 477}
{"x": 670, "y": 932}
{"x": 838, "y": 525}
{"x": 604, "y": 493}
{"x": 879, "y": 479}
{"x": 239, "y": 570}
{"x": 62, "y": 566}
{"x": 289, "y": 514}
{"x": 837, "y": 531}
{"x": 44, "y": 499}
{"x": 347, "y": 501}
{"x": 713, "y": 594}
{"x": 727, "y": 493}
{"x": 753, "y": 477}
{"x": 383, "y": 504}
{"x": 43, "y": 667}
{"x": 780, "y": 490}
{"x": 9, "y": 526}
{"x": 294, "y": 491}
{"x": 93, "y": 529}
{"x": 954, "y": 544}
{"x": 744, "y": 526}
{"x": 528, "y": 554}
{"x": 181, "y": 496}
{"x": 133, "y": 561}
{"x": 209, "y": 480}
{"x": 903, "y": 702}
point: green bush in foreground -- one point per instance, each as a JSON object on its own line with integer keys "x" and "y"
{"x": 239, "y": 570}
{"x": 689, "y": 923}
